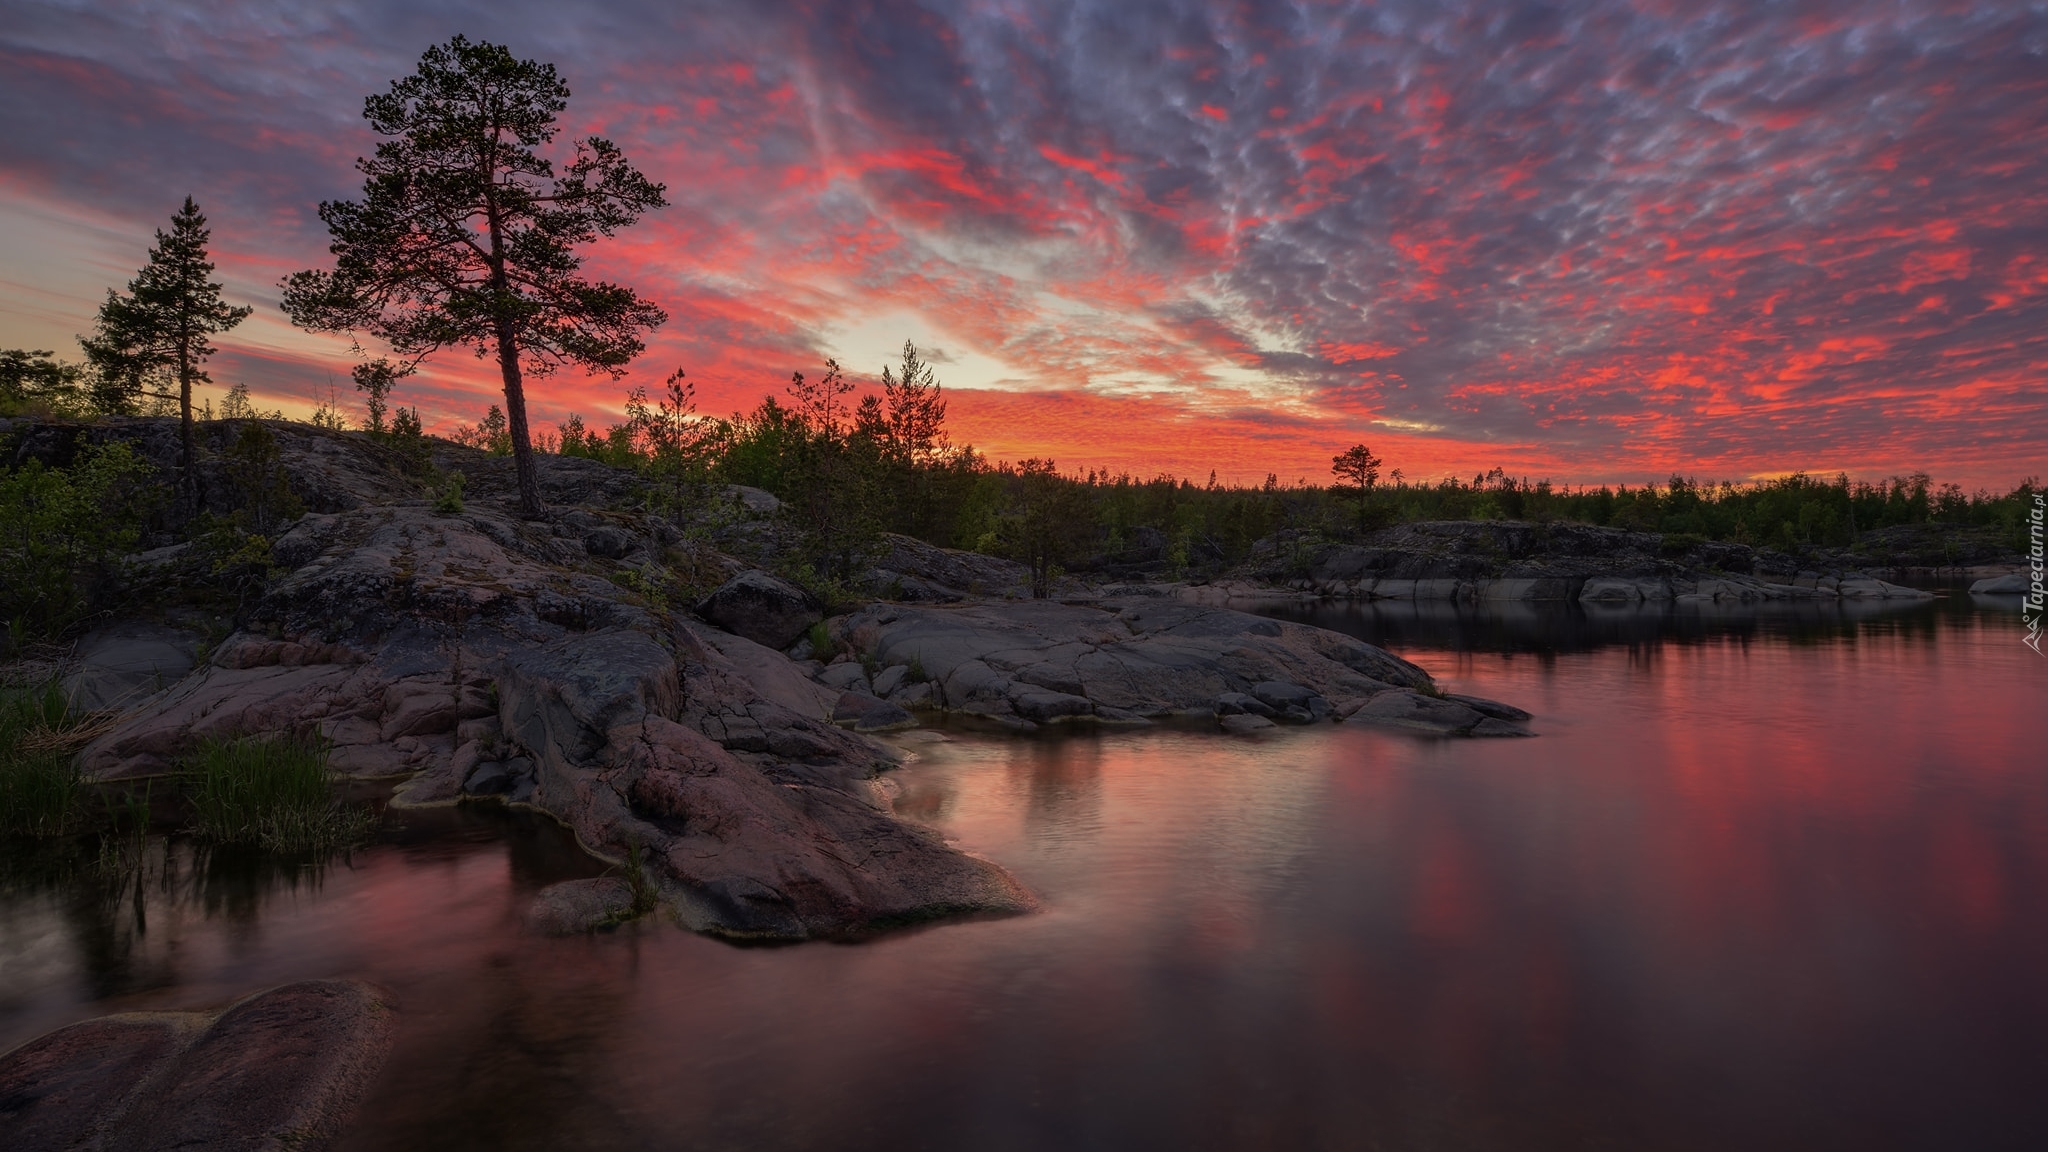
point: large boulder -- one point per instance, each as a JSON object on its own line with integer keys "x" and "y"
{"x": 761, "y": 608}
{"x": 284, "y": 1068}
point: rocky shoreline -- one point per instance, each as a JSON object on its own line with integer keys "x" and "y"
{"x": 476, "y": 656}
{"x": 1512, "y": 560}
{"x": 732, "y": 741}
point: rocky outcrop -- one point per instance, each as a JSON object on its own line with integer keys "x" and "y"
{"x": 1030, "y": 663}
{"x": 482, "y": 655}
{"x": 281, "y": 1069}
{"x": 1511, "y": 560}
{"x": 912, "y": 570}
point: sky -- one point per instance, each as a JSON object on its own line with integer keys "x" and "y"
{"x": 1592, "y": 242}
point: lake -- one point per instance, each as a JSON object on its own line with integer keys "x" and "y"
{"x": 1768, "y": 878}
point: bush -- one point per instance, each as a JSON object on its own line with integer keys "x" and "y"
{"x": 448, "y": 497}
{"x": 63, "y": 533}
{"x": 272, "y": 792}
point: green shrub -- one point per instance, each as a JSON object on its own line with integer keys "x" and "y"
{"x": 448, "y": 497}
{"x": 272, "y": 792}
{"x": 63, "y": 533}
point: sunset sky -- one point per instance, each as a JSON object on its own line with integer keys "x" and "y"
{"x": 1595, "y": 242}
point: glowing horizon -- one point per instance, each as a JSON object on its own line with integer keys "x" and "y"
{"x": 1592, "y": 244}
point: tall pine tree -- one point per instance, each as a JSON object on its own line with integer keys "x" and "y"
{"x": 465, "y": 235}
{"x": 159, "y": 331}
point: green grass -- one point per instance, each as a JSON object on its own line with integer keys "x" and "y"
{"x": 271, "y": 792}
{"x": 40, "y": 791}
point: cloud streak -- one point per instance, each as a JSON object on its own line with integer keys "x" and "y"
{"x": 1593, "y": 241}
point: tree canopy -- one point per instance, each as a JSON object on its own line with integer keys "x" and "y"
{"x": 466, "y": 235}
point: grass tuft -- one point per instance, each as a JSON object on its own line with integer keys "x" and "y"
{"x": 272, "y": 792}
{"x": 40, "y": 791}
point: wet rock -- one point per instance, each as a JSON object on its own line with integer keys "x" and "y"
{"x": 284, "y": 1068}
{"x": 573, "y": 907}
{"x": 1298, "y": 704}
{"x": 1492, "y": 708}
{"x": 1242, "y": 703}
{"x": 1871, "y": 588}
{"x": 1043, "y": 707}
{"x": 768, "y": 611}
{"x": 1419, "y": 713}
{"x": 1244, "y": 723}
{"x": 864, "y": 713}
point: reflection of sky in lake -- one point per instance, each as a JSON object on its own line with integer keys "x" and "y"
{"x": 1754, "y": 886}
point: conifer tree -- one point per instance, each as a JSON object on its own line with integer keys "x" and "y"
{"x": 465, "y": 235}
{"x": 161, "y": 328}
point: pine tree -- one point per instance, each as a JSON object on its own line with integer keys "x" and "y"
{"x": 1360, "y": 467}
{"x": 466, "y": 236}
{"x": 160, "y": 329}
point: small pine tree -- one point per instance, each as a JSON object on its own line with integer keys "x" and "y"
{"x": 161, "y": 327}
{"x": 374, "y": 380}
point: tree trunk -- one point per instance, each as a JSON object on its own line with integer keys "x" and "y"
{"x": 187, "y": 473}
{"x": 515, "y": 422}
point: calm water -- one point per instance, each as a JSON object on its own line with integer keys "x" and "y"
{"x": 1765, "y": 881}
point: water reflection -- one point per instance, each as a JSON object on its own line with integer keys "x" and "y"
{"x": 1548, "y": 627}
{"x": 1779, "y": 882}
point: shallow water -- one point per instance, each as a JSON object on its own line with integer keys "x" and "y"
{"x": 1766, "y": 880}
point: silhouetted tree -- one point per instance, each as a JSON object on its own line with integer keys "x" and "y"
{"x": 374, "y": 380}
{"x": 160, "y": 328}
{"x": 1360, "y": 467}
{"x": 915, "y": 408}
{"x": 465, "y": 235}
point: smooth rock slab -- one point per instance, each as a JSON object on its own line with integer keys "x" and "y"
{"x": 123, "y": 664}
{"x": 282, "y": 1069}
{"x": 1244, "y": 723}
{"x": 2013, "y": 583}
{"x": 1493, "y": 709}
{"x": 57, "y": 1089}
{"x": 1419, "y": 713}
